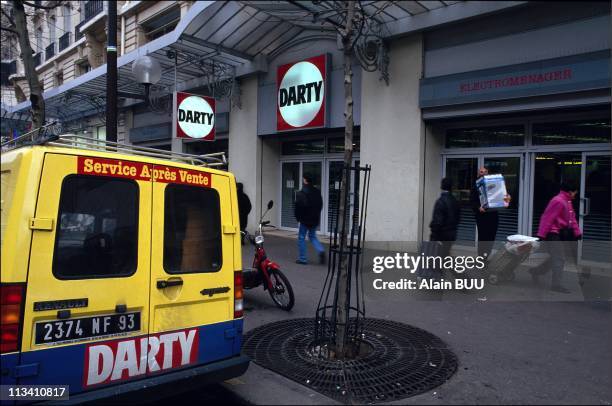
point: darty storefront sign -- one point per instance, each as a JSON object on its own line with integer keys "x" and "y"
{"x": 194, "y": 116}
{"x": 301, "y": 93}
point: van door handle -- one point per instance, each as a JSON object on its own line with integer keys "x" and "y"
{"x": 168, "y": 283}
{"x": 213, "y": 291}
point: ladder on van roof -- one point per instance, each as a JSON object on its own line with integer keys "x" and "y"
{"x": 41, "y": 137}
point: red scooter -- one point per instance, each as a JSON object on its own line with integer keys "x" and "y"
{"x": 265, "y": 272}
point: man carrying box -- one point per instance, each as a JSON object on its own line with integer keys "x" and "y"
{"x": 487, "y": 218}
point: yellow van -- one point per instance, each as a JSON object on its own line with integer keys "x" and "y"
{"x": 120, "y": 270}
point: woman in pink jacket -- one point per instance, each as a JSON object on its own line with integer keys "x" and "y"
{"x": 558, "y": 225}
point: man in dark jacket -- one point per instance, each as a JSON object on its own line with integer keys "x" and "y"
{"x": 308, "y": 206}
{"x": 244, "y": 206}
{"x": 445, "y": 218}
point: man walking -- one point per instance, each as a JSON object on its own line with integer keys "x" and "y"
{"x": 308, "y": 206}
{"x": 445, "y": 218}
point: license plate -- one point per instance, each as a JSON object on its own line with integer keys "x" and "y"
{"x": 86, "y": 327}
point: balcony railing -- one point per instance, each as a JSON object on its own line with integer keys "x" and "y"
{"x": 93, "y": 8}
{"x": 38, "y": 59}
{"x": 50, "y": 51}
{"x": 64, "y": 41}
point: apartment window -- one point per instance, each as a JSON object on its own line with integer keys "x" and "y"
{"x": 67, "y": 18}
{"x": 82, "y": 68}
{"x": 161, "y": 24}
{"x": 52, "y": 27}
{"x": 8, "y": 68}
{"x": 58, "y": 79}
{"x": 39, "y": 36}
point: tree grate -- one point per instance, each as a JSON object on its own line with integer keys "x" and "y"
{"x": 402, "y": 360}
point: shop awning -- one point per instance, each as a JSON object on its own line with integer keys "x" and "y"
{"x": 239, "y": 37}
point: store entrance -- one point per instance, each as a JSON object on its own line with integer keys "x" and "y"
{"x": 532, "y": 179}
{"x": 327, "y": 175}
{"x": 291, "y": 177}
{"x": 463, "y": 172}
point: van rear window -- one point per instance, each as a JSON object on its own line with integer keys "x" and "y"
{"x": 192, "y": 229}
{"x": 97, "y": 230}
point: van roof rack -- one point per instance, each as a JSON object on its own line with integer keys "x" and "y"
{"x": 77, "y": 141}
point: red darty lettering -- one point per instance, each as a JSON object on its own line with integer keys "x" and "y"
{"x": 121, "y": 360}
{"x": 300, "y": 94}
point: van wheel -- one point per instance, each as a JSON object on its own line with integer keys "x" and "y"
{"x": 282, "y": 292}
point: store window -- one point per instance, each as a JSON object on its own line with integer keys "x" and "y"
{"x": 97, "y": 233}
{"x": 192, "y": 230}
{"x": 572, "y": 132}
{"x": 478, "y": 137}
{"x": 207, "y": 147}
{"x": 303, "y": 147}
{"x": 336, "y": 145}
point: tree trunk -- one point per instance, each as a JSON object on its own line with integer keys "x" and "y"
{"x": 36, "y": 98}
{"x": 343, "y": 299}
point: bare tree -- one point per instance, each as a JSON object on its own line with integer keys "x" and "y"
{"x": 346, "y": 34}
{"x": 352, "y": 23}
{"x": 17, "y": 24}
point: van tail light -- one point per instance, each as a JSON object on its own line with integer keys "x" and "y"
{"x": 238, "y": 295}
{"x": 11, "y": 305}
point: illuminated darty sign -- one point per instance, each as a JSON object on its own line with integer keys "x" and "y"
{"x": 194, "y": 116}
{"x": 301, "y": 91}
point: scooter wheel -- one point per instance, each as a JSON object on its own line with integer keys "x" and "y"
{"x": 281, "y": 292}
{"x": 511, "y": 276}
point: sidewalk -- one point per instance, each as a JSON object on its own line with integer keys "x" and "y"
{"x": 539, "y": 348}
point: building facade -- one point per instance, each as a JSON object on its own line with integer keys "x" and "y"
{"x": 520, "y": 87}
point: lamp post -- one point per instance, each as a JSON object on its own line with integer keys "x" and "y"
{"x": 111, "y": 73}
{"x": 146, "y": 71}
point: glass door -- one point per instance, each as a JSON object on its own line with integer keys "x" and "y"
{"x": 314, "y": 169}
{"x": 291, "y": 178}
{"x": 334, "y": 179}
{"x": 462, "y": 171}
{"x": 549, "y": 170}
{"x": 595, "y": 203}
{"x": 291, "y": 183}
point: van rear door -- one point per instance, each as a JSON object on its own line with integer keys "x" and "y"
{"x": 87, "y": 304}
{"x": 192, "y": 268}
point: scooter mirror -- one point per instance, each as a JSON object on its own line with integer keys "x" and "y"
{"x": 270, "y": 204}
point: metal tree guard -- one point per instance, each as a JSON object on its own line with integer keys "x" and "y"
{"x": 326, "y": 314}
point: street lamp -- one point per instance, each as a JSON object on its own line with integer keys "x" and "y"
{"x": 147, "y": 71}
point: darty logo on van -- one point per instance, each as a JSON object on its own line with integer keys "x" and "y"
{"x": 126, "y": 359}
{"x": 195, "y": 116}
{"x": 141, "y": 171}
{"x": 301, "y": 94}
